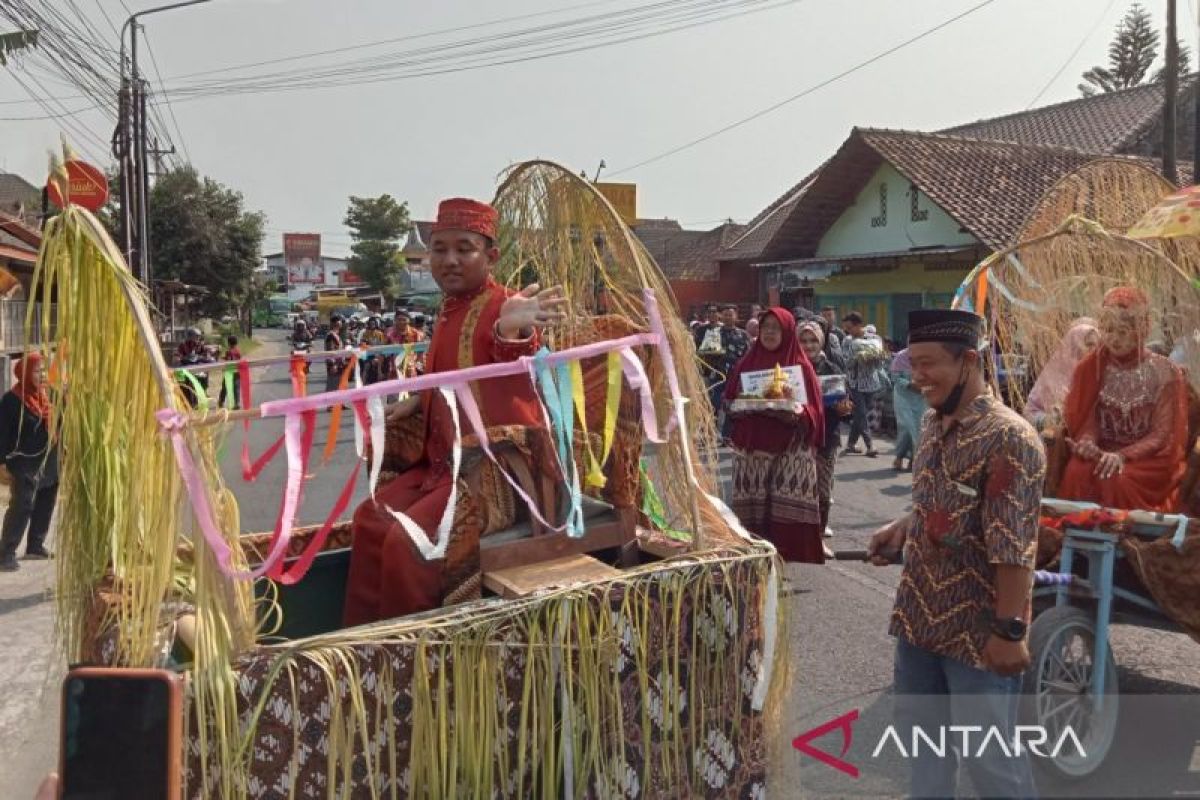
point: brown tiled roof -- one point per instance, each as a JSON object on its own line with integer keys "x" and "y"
{"x": 758, "y": 232}
{"x": 17, "y": 232}
{"x": 18, "y": 196}
{"x": 1103, "y": 123}
{"x": 683, "y": 254}
{"x": 989, "y": 187}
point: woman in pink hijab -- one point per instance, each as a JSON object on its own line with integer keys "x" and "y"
{"x": 1050, "y": 390}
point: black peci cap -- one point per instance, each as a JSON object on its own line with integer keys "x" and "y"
{"x": 945, "y": 325}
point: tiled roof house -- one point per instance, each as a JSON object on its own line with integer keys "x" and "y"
{"x": 894, "y": 219}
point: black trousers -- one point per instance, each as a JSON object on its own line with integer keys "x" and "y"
{"x": 28, "y": 507}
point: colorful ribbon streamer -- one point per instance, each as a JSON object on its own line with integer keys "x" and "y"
{"x": 429, "y": 550}
{"x": 197, "y": 388}
{"x": 553, "y": 376}
{"x": 335, "y": 415}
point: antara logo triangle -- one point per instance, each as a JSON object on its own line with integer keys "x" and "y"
{"x": 845, "y": 723}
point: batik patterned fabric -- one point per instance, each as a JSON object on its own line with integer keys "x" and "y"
{"x": 977, "y": 492}
{"x": 471, "y": 704}
{"x": 776, "y": 496}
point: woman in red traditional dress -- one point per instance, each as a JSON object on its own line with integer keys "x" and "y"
{"x": 1126, "y": 415}
{"x": 775, "y": 486}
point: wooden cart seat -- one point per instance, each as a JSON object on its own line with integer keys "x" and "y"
{"x": 492, "y": 530}
{"x": 525, "y": 579}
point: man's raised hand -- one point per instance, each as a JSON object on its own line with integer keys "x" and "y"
{"x": 531, "y": 307}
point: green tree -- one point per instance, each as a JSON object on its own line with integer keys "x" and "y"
{"x": 1130, "y": 55}
{"x": 201, "y": 234}
{"x": 1185, "y": 57}
{"x": 376, "y": 225}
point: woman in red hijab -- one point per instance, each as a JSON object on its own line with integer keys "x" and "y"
{"x": 31, "y": 460}
{"x": 774, "y": 458}
{"x": 1126, "y": 415}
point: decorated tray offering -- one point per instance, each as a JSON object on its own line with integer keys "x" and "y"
{"x": 779, "y": 389}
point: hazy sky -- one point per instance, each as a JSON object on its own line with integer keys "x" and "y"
{"x": 297, "y": 155}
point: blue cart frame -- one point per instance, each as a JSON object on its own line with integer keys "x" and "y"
{"x": 1068, "y": 640}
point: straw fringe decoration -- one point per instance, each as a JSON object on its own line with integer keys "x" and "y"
{"x": 1038, "y": 287}
{"x": 522, "y": 698}
{"x": 121, "y": 501}
{"x": 558, "y": 230}
{"x": 645, "y": 685}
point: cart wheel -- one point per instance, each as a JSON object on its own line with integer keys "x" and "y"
{"x": 1058, "y": 686}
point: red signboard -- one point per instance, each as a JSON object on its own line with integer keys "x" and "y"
{"x": 302, "y": 257}
{"x": 86, "y": 186}
{"x": 347, "y": 278}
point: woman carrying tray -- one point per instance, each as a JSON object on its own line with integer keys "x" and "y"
{"x": 775, "y": 476}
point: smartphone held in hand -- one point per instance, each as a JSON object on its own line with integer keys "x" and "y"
{"x": 122, "y": 734}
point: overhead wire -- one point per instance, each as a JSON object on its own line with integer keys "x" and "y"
{"x": 482, "y": 53}
{"x": 490, "y": 24}
{"x": 1066, "y": 63}
{"x": 166, "y": 98}
{"x": 804, "y": 93}
{"x": 440, "y": 50}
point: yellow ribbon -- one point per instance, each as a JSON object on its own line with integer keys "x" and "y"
{"x": 612, "y": 403}
{"x": 595, "y": 474}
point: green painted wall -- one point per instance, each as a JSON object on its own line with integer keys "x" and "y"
{"x": 885, "y": 298}
{"x": 882, "y": 219}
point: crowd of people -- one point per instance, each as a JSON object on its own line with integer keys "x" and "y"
{"x": 1110, "y": 420}
{"x": 783, "y": 469}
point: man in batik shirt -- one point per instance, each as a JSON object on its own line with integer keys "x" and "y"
{"x": 963, "y": 605}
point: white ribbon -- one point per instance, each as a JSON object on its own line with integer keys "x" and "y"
{"x": 430, "y": 551}
{"x": 375, "y": 413}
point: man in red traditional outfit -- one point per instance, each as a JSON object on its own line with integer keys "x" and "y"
{"x": 480, "y": 323}
{"x": 1126, "y": 415}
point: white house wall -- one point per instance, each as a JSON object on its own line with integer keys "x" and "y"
{"x": 883, "y": 219}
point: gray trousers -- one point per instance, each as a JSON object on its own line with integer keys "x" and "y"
{"x": 28, "y": 508}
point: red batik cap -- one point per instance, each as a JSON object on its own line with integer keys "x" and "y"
{"x": 464, "y": 214}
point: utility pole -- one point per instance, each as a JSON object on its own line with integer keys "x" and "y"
{"x": 158, "y": 152}
{"x": 130, "y": 148}
{"x": 1196, "y": 110}
{"x": 1171, "y": 102}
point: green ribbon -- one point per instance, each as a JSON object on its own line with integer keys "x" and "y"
{"x": 197, "y": 387}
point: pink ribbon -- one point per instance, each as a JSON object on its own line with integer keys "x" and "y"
{"x": 467, "y": 400}
{"x": 433, "y": 380}
{"x": 664, "y": 351}
{"x": 302, "y": 564}
{"x": 173, "y": 423}
{"x": 300, "y": 421}
{"x": 635, "y": 373}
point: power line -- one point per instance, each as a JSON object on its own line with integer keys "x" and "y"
{"x": 1086, "y": 37}
{"x": 394, "y": 40}
{"x": 166, "y": 99}
{"x": 488, "y": 51}
{"x": 81, "y": 134}
{"x": 100, "y": 5}
{"x": 861, "y": 65}
{"x": 291, "y": 83}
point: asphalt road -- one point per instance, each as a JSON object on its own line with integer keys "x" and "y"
{"x": 839, "y": 653}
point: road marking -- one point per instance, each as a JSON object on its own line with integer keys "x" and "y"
{"x": 1195, "y": 765}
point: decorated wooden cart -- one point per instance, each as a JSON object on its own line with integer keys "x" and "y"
{"x": 1097, "y": 565}
{"x": 614, "y": 632}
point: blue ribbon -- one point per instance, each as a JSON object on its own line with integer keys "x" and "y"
{"x": 1180, "y": 532}
{"x": 556, "y": 387}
